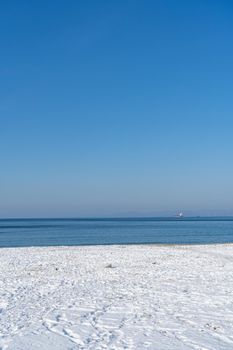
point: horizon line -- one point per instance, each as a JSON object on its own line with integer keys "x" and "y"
{"x": 117, "y": 217}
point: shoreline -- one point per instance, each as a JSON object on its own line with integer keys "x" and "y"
{"x": 122, "y": 245}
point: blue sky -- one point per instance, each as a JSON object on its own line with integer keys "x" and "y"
{"x": 116, "y": 108}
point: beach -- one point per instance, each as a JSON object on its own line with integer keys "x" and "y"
{"x": 117, "y": 297}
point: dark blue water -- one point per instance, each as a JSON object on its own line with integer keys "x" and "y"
{"x": 47, "y": 232}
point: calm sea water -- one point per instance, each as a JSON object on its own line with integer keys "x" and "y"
{"x": 47, "y": 232}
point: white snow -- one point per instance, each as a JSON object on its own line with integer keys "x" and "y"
{"x": 117, "y": 297}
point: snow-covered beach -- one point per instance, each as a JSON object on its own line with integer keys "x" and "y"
{"x": 117, "y": 297}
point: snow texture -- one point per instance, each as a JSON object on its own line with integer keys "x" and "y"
{"x": 117, "y": 297}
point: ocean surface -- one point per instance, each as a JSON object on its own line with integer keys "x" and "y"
{"x": 49, "y": 232}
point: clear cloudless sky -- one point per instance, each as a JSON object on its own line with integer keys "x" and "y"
{"x": 116, "y": 108}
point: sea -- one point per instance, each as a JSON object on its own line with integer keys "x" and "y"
{"x": 95, "y": 231}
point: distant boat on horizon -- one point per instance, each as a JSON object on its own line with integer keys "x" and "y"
{"x": 180, "y": 215}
